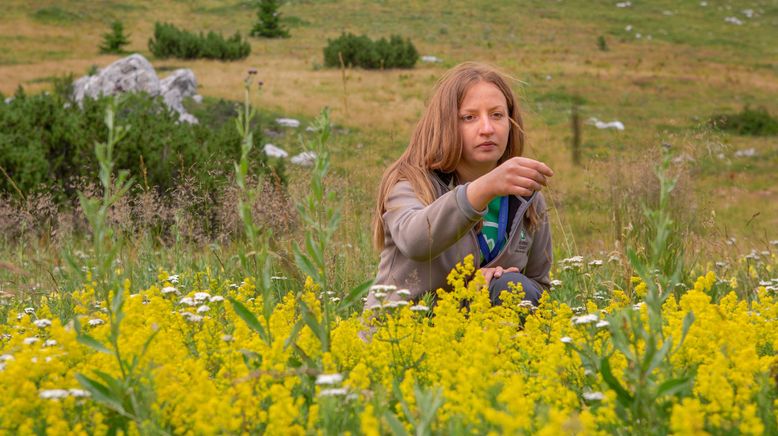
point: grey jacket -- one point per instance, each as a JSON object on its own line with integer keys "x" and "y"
{"x": 422, "y": 244}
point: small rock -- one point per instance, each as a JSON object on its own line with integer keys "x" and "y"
{"x": 304, "y": 159}
{"x": 197, "y": 98}
{"x": 288, "y": 122}
{"x": 431, "y": 59}
{"x": 618, "y": 125}
{"x": 623, "y": 4}
{"x": 9, "y": 100}
{"x": 273, "y": 151}
{"x": 733, "y": 20}
{"x": 749, "y": 152}
{"x": 188, "y": 118}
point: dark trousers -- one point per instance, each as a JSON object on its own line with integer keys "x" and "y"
{"x": 496, "y": 286}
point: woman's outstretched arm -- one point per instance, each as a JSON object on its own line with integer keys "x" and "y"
{"x": 422, "y": 232}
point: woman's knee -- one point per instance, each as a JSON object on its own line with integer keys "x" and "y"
{"x": 531, "y": 291}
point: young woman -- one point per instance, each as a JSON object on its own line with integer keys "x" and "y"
{"x": 461, "y": 187}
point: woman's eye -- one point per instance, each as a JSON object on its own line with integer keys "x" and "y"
{"x": 498, "y": 115}
{"x": 467, "y": 117}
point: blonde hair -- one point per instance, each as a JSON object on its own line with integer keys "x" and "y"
{"x": 436, "y": 143}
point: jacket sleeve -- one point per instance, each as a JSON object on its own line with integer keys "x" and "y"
{"x": 540, "y": 254}
{"x": 421, "y": 232}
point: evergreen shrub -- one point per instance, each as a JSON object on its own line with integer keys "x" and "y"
{"x": 754, "y": 122}
{"x": 268, "y": 23}
{"x": 46, "y": 141}
{"x": 115, "y": 40}
{"x": 361, "y": 51}
{"x": 171, "y": 42}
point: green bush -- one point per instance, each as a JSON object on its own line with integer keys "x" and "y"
{"x": 46, "y": 141}
{"x": 755, "y": 122}
{"x": 268, "y": 23}
{"x": 115, "y": 40}
{"x": 361, "y": 51}
{"x": 170, "y": 41}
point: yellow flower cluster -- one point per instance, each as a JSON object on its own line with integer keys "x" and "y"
{"x": 459, "y": 367}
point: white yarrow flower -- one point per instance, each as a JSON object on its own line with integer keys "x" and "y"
{"x": 30, "y": 340}
{"x": 189, "y": 301}
{"x": 201, "y": 296}
{"x": 78, "y": 393}
{"x": 29, "y": 310}
{"x": 203, "y": 309}
{"x": 42, "y": 323}
{"x": 566, "y": 340}
{"x": 555, "y": 283}
{"x": 329, "y": 379}
{"x": 596, "y": 262}
{"x": 404, "y": 293}
{"x": 53, "y": 394}
{"x": 96, "y": 322}
{"x": 6, "y": 357}
{"x": 169, "y": 290}
{"x": 333, "y": 392}
{"x": 585, "y": 319}
{"x": 217, "y": 298}
{"x": 50, "y": 343}
{"x": 602, "y": 323}
{"x": 173, "y": 279}
{"x": 593, "y": 396}
{"x": 420, "y": 308}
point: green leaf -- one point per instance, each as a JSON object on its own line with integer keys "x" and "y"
{"x": 292, "y": 339}
{"x": 622, "y": 395}
{"x": 660, "y": 355}
{"x": 305, "y": 265}
{"x": 687, "y": 323}
{"x": 101, "y": 394}
{"x": 249, "y": 318}
{"x": 92, "y": 343}
{"x": 395, "y": 424}
{"x": 315, "y": 326}
{"x": 673, "y": 386}
{"x": 355, "y": 295}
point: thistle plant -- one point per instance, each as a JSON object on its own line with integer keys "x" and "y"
{"x": 257, "y": 263}
{"x": 105, "y": 245}
{"x": 130, "y": 396}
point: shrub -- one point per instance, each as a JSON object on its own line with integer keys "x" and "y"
{"x": 170, "y": 41}
{"x": 755, "y": 122}
{"x": 115, "y": 40}
{"x": 602, "y": 44}
{"x": 42, "y": 140}
{"x": 268, "y": 23}
{"x": 361, "y": 51}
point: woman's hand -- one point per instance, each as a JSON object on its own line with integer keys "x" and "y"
{"x": 516, "y": 176}
{"x": 496, "y": 272}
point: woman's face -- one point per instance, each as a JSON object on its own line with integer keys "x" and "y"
{"x": 484, "y": 127}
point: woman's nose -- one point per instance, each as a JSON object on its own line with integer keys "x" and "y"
{"x": 486, "y": 126}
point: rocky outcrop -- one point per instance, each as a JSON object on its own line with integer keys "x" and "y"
{"x": 136, "y": 74}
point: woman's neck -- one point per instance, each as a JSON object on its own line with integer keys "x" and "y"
{"x": 468, "y": 174}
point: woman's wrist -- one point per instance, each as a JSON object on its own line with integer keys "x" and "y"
{"x": 479, "y": 194}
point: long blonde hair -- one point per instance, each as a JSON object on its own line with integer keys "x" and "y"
{"x": 436, "y": 143}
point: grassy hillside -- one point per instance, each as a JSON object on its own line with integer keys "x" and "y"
{"x": 668, "y": 68}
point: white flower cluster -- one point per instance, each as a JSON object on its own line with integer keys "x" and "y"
{"x": 56, "y": 394}
{"x": 570, "y": 263}
{"x": 42, "y": 323}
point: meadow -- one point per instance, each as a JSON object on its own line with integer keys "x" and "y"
{"x": 123, "y": 309}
